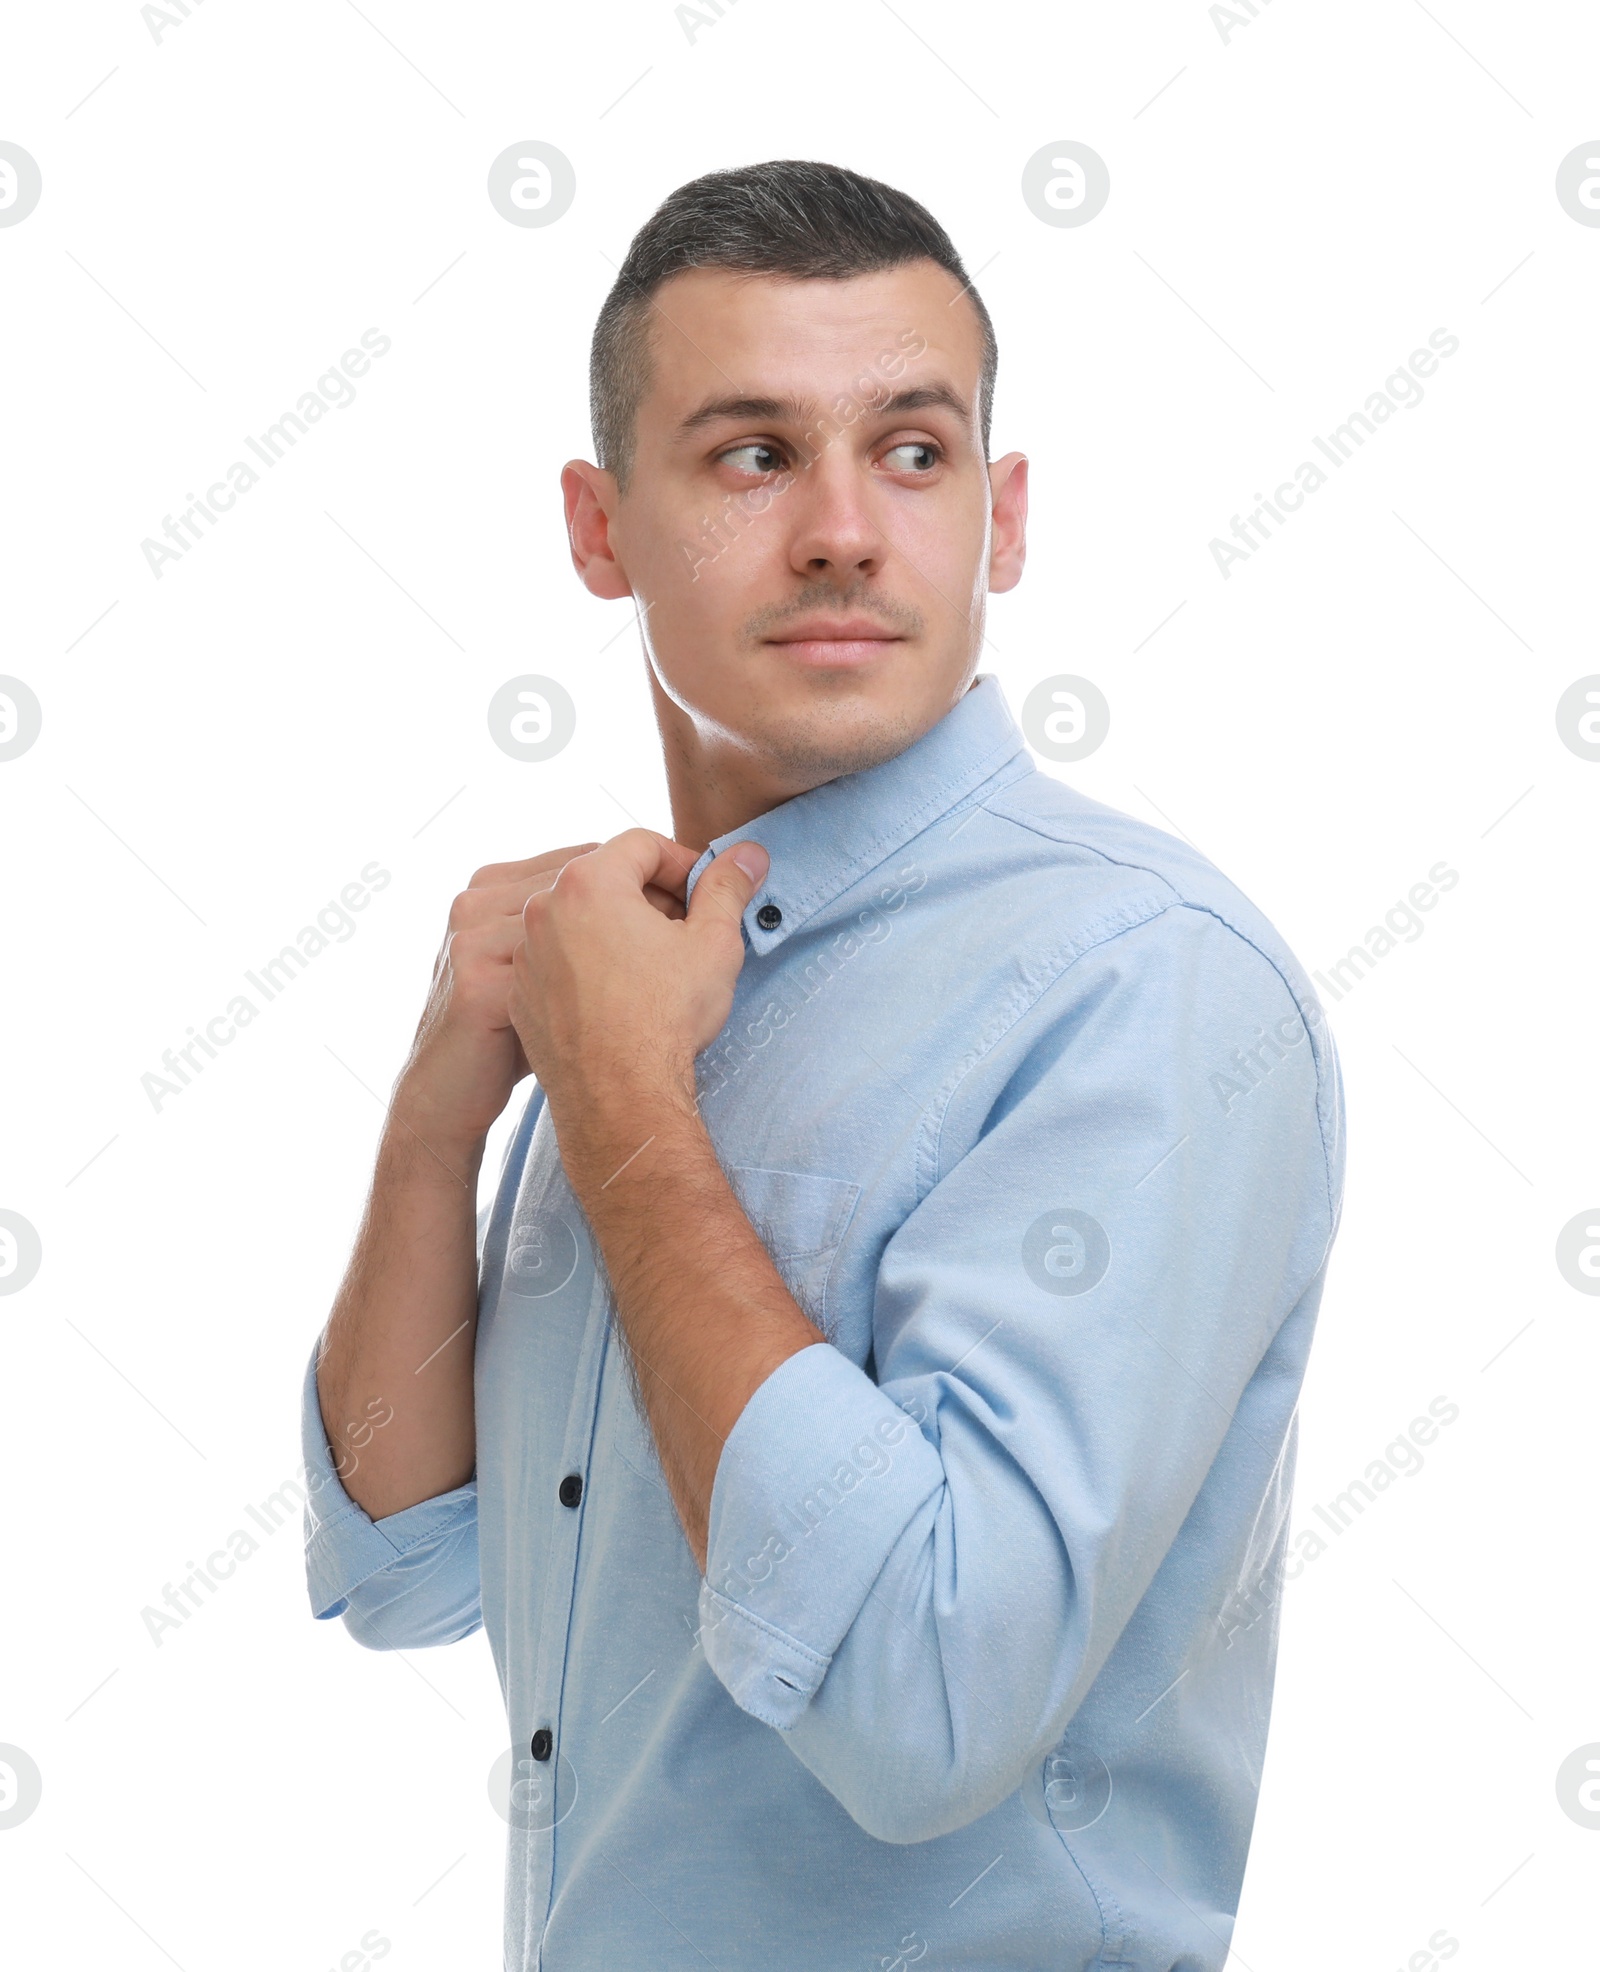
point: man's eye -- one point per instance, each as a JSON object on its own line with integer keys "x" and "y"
{"x": 911, "y": 457}
{"x": 751, "y": 458}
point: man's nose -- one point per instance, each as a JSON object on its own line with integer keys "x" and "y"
{"x": 836, "y": 527}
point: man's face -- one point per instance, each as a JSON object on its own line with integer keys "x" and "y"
{"x": 810, "y": 527}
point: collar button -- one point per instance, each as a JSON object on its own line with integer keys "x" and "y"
{"x": 769, "y": 917}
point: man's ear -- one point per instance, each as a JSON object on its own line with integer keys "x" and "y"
{"x": 1008, "y": 547}
{"x": 591, "y": 497}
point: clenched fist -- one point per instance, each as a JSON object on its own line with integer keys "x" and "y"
{"x": 612, "y": 1000}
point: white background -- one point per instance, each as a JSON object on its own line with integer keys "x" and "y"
{"x": 225, "y": 748}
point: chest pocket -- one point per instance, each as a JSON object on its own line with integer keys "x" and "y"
{"x": 800, "y": 1219}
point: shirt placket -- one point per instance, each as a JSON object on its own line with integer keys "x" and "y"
{"x": 567, "y": 1484}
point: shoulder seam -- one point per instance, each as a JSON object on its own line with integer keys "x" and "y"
{"x": 1090, "y": 848}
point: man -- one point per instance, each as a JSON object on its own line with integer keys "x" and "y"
{"x": 864, "y": 1428}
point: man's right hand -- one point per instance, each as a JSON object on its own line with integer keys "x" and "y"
{"x": 399, "y": 1340}
{"x": 465, "y": 1058}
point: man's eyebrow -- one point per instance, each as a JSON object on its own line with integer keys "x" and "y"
{"x": 794, "y": 410}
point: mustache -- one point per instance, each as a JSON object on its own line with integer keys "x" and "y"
{"x": 899, "y": 617}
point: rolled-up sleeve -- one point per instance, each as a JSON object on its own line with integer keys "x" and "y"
{"x": 917, "y": 1579}
{"x": 403, "y": 1582}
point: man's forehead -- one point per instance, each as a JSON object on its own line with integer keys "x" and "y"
{"x": 717, "y": 334}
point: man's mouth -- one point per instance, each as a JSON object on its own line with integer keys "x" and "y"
{"x": 836, "y": 640}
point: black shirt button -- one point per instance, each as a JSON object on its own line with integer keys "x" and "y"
{"x": 769, "y": 917}
{"x": 542, "y": 1744}
{"x": 570, "y": 1491}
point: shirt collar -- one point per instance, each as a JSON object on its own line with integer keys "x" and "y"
{"x": 822, "y": 841}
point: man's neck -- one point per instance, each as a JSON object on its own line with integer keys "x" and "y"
{"x": 714, "y": 786}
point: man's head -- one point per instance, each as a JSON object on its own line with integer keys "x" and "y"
{"x": 791, "y": 387}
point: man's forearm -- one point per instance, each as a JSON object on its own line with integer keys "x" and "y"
{"x": 704, "y": 1312}
{"x": 395, "y": 1375}
{"x": 613, "y": 1001}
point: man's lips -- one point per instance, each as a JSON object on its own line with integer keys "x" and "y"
{"x": 836, "y": 640}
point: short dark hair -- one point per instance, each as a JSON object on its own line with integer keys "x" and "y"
{"x": 790, "y": 217}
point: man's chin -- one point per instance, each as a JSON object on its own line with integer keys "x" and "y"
{"x": 819, "y": 735}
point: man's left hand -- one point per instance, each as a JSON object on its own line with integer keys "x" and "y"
{"x": 612, "y": 998}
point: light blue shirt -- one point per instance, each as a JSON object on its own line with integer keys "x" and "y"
{"x": 1042, "y": 1126}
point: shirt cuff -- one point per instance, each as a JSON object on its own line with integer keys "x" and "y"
{"x": 819, "y": 1478}
{"x": 344, "y": 1545}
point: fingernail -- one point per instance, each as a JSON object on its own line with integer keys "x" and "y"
{"x": 753, "y": 860}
